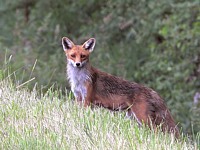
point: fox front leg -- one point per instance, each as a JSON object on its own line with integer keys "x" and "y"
{"x": 89, "y": 96}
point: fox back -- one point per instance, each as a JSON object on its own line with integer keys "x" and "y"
{"x": 94, "y": 87}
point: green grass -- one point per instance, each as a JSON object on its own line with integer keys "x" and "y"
{"x": 29, "y": 120}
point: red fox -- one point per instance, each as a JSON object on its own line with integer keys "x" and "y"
{"x": 91, "y": 86}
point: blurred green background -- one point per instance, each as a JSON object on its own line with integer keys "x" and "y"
{"x": 152, "y": 42}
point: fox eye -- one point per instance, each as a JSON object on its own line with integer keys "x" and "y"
{"x": 83, "y": 56}
{"x": 73, "y": 56}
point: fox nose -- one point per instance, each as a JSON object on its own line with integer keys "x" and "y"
{"x": 78, "y": 64}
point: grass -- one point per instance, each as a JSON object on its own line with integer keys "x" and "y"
{"x": 29, "y": 120}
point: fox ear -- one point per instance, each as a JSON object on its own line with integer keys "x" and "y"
{"x": 89, "y": 44}
{"x": 67, "y": 43}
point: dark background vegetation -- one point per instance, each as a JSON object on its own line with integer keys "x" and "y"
{"x": 152, "y": 42}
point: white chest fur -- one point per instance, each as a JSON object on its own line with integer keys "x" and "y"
{"x": 77, "y": 78}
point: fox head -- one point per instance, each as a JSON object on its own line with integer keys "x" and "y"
{"x": 78, "y": 55}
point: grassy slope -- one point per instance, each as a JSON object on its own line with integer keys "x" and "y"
{"x": 51, "y": 121}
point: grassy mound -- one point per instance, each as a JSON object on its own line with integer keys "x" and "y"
{"x": 52, "y": 121}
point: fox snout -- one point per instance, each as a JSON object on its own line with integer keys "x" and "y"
{"x": 75, "y": 64}
{"x": 78, "y": 64}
